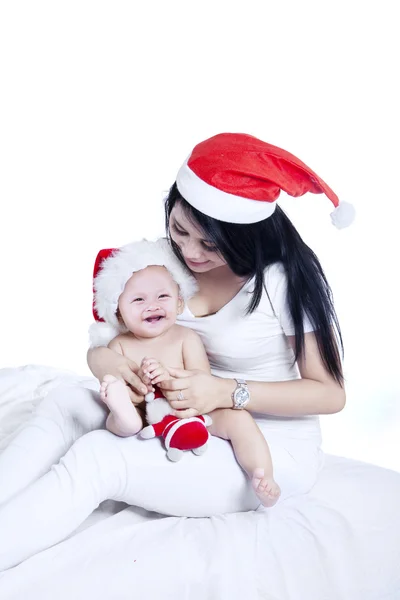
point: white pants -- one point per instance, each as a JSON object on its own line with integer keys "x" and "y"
{"x": 63, "y": 464}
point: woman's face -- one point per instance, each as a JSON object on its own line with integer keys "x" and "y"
{"x": 199, "y": 254}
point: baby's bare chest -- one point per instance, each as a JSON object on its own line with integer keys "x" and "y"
{"x": 167, "y": 350}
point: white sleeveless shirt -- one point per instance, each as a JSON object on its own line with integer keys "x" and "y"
{"x": 255, "y": 347}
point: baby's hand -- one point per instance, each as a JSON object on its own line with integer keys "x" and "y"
{"x": 153, "y": 371}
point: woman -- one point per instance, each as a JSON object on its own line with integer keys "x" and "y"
{"x": 264, "y": 311}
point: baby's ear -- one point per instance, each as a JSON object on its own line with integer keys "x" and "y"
{"x": 181, "y": 305}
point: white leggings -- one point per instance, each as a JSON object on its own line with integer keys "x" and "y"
{"x": 63, "y": 464}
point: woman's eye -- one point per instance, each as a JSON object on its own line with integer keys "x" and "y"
{"x": 209, "y": 247}
{"x": 178, "y": 231}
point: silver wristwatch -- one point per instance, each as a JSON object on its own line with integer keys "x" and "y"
{"x": 241, "y": 395}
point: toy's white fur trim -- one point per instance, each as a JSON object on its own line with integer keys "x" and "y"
{"x": 207, "y": 420}
{"x": 176, "y": 426}
{"x": 118, "y": 268}
{"x": 343, "y": 215}
{"x": 218, "y": 204}
{"x": 147, "y": 433}
{"x": 157, "y": 409}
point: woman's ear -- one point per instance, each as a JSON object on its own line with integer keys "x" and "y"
{"x": 181, "y": 305}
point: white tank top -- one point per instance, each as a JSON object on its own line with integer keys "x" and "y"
{"x": 255, "y": 346}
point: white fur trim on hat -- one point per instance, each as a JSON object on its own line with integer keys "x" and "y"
{"x": 117, "y": 269}
{"x": 101, "y": 334}
{"x": 218, "y": 204}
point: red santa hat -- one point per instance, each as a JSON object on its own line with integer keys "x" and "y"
{"x": 113, "y": 268}
{"x": 237, "y": 178}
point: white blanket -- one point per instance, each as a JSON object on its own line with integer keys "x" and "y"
{"x": 340, "y": 542}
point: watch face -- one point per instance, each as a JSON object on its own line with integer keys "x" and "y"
{"x": 241, "y": 396}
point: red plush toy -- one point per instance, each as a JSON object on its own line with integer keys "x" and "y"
{"x": 178, "y": 434}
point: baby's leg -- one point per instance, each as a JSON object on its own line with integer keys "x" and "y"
{"x": 251, "y": 450}
{"x": 124, "y": 420}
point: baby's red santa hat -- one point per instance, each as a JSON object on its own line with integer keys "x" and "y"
{"x": 114, "y": 267}
{"x": 237, "y": 178}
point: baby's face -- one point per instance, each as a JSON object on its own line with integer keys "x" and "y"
{"x": 150, "y": 302}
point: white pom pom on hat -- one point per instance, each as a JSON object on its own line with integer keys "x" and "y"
{"x": 343, "y": 215}
{"x": 114, "y": 267}
{"x": 237, "y": 178}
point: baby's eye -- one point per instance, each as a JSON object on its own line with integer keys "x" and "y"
{"x": 164, "y": 296}
{"x": 137, "y": 300}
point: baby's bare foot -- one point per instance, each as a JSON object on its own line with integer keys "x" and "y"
{"x": 124, "y": 418}
{"x": 266, "y": 488}
{"x": 113, "y": 392}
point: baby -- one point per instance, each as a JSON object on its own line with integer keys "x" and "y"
{"x": 139, "y": 292}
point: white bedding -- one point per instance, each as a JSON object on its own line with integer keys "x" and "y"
{"x": 340, "y": 542}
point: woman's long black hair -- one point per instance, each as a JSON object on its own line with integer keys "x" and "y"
{"x": 249, "y": 249}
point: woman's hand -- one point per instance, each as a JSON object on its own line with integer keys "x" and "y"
{"x": 193, "y": 393}
{"x": 104, "y": 361}
{"x": 128, "y": 372}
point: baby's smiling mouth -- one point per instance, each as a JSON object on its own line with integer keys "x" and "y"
{"x": 154, "y": 319}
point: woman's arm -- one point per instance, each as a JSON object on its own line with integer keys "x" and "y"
{"x": 315, "y": 393}
{"x": 103, "y": 361}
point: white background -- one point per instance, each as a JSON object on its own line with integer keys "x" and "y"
{"x": 102, "y": 101}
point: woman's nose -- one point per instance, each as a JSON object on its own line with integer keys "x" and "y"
{"x": 191, "y": 249}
